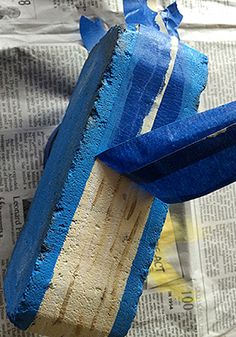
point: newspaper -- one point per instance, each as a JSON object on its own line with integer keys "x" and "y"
{"x": 202, "y": 12}
{"x": 190, "y": 290}
{"x": 30, "y": 13}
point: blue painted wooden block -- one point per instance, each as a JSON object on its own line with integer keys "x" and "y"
{"x": 79, "y": 265}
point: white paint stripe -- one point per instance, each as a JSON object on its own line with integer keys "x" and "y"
{"x": 150, "y": 118}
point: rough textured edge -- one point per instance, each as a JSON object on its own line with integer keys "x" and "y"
{"x": 23, "y": 314}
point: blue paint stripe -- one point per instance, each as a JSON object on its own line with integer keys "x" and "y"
{"x": 148, "y": 80}
{"x": 182, "y": 94}
{"x": 174, "y": 93}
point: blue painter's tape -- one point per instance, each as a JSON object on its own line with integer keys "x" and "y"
{"x": 201, "y": 169}
{"x": 138, "y": 12}
{"x": 172, "y": 19}
{"x": 91, "y": 31}
{"x": 176, "y": 149}
{"x": 142, "y": 91}
{"x": 182, "y": 94}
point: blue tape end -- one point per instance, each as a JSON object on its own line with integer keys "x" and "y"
{"x": 138, "y": 12}
{"x": 172, "y": 19}
{"x": 91, "y": 31}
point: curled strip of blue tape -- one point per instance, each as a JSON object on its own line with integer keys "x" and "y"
{"x": 135, "y": 12}
{"x": 172, "y": 19}
{"x": 182, "y": 160}
{"x": 138, "y": 12}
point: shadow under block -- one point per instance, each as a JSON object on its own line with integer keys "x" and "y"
{"x": 79, "y": 265}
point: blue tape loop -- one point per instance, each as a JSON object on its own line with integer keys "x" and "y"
{"x": 182, "y": 160}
